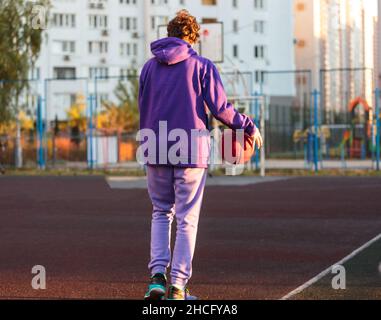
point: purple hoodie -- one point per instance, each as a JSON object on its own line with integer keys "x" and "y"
{"x": 177, "y": 86}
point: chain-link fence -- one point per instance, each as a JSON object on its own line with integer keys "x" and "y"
{"x": 289, "y": 123}
{"x": 92, "y": 123}
{"x": 116, "y": 121}
{"x": 66, "y": 121}
{"x": 348, "y": 130}
{"x": 18, "y": 139}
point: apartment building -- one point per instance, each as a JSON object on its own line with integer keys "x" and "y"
{"x": 332, "y": 35}
{"x": 106, "y": 38}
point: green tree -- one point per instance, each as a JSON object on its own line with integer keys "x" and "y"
{"x": 19, "y": 48}
{"x": 21, "y": 38}
{"x": 125, "y": 115}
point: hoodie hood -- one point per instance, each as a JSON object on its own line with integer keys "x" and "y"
{"x": 171, "y": 50}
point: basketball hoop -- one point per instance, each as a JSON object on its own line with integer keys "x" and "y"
{"x": 210, "y": 44}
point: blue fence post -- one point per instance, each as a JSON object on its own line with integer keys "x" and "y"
{"x": 40, "y": 134}
{"x": 310, "y": 136}
{"x": 45, "y": 122}
{"x": 90, "y": 134}
{"x": 377, "y": 94}
{"x": 95, "y": 113}
{"x": 316, "y": 129}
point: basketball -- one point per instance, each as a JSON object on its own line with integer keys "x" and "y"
{"x": 235, "y": 150}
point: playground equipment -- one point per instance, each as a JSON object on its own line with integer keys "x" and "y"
{"x": 351, "y": 140}
{"x": 359, "y": 139}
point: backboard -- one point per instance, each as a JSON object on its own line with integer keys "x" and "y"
{"x": 211, "y": 43}
{"x": 237, "y": 83}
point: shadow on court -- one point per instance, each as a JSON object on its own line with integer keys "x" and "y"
{"x": 255, "y": 242}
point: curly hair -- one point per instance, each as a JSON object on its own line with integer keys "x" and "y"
{"x": 184, "y": 25}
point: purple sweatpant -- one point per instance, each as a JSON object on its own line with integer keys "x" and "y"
{"x": 175, "y": 192}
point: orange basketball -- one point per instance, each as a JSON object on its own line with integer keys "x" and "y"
{"x": 236, "y": 150}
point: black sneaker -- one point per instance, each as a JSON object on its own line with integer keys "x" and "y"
{"x": 157, "y": 287}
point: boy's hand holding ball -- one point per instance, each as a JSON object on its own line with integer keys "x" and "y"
{"x": 257, "y": 139}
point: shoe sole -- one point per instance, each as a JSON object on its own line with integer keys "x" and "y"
{"x": 155, "y": 295}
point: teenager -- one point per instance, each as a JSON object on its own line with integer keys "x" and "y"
{"x": 175, "y": 86}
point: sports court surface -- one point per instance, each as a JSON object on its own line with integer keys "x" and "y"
{"x": 259, "y": 241}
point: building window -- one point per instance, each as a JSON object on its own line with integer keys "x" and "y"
{"x": 128, "y": 72}
{"x": 125, "y": 49}
{"x": 128, "y": 49}
{"x": 300, "y": 6}
{"x": 64, "y": 73}
{"x": 98, "y": 47}
{"x": 127, "y": 2}
{"x": 259, "y": 4}
{"x": 98, "y": 21}
{"x": 301, "y": 80}
{"x": 235, "y": 26}
{"x": 128, "y": 23}
{"x": 158, "y": 21}
{"x": 63, "y": 47}
{"x": 235, "y": 3}
{"x": 259, "y": 26}
{"x": 63, "y": 20}
{"x": 235, "y": 51}
{"x": 159, "y": 2}
{"x": 99, "y": 72}
{"x": 301, "y": 43}
{"x": 35, "y": 73}
{"x": 259, "y": 77}
{"x": 259, "y": 52}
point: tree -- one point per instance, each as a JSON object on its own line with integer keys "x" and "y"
{"x": 19, "y": 48}
{"x": 21, "y": 38}
{"x": 123, "y": 116}
{"x": 77, "y": 119}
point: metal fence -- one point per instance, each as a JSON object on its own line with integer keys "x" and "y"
{"x": 289, "y": 116}
{"x": 92, "y": 123}
{"x": 348, "y": 119}
{"x": 18, "y": 135}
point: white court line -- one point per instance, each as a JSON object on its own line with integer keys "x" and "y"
{"x": 329, "y": 270}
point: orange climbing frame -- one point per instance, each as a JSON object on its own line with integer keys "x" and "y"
{"x": 360, "y": 101}
{"x": 355, "y": 149}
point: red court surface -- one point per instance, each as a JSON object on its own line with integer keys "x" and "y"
{"x": 255, "y": 242}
